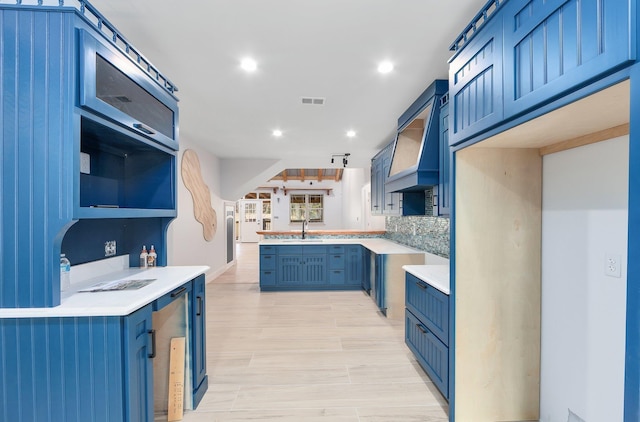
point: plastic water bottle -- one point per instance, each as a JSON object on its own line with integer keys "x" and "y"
{"x": 65, "y": 273}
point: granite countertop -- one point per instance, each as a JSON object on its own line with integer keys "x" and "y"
{"x": 113, "y": 303}
{"x": 434, "y": 275}
{"x": 376, "y": 245}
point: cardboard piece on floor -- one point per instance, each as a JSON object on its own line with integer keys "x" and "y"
{"x": 176, "y": 379}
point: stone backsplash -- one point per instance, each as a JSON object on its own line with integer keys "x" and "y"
{"x": 429, "y": 234}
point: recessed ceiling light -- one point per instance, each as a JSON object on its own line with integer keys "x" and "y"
{"x": 385, "y": 67}
{"x": 248, "y": 64}
{"x": 277, "y": 133}
{"x": 351, "y": 133}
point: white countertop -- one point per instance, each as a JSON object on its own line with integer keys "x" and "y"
{"x": 114, "y": 303}
{"x": 434, "y": 275}
{"x": 375, "y": 245}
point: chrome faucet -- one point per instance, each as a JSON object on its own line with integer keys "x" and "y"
{"x": 304, "y": 223}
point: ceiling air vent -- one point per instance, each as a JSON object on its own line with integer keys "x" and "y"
{"x": 313, "y": 100}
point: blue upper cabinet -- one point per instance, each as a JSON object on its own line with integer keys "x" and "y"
{"x": 415, "y": 157}
{"x": 517, "y": 55}
{"x": 475, "y": 83}
{"x": 551, "y": 47}
{"x": 89, "y": 141}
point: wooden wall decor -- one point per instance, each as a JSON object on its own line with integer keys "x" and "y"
{"x": 202, "y": 209}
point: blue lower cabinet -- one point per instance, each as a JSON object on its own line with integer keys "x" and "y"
{"x": 311, "y": 267}
{"x": 77, "y": 369}
{"x": 354, "y": 266}
{"x": 427, "y": 329}
{"x": 431, "y": 353}
{"x": 430, "y": 305}
{"x": 140, "y": 345}
{"x": 199, "y": 340}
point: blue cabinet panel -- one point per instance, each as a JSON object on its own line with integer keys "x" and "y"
{"x": 336, "y": 261}
{"x": 431, "y": 353}
{"x": 430, "y": 305}
{"x": 315, "y": 269}
{"x": 355, "y": 262}
{"x": 267, "y": 262}
{"x": 198, "y": 339}
{"x": 446, "y": 157}
{"x": 553, "y": 46}
{"x": 475, "y": 83}
{"x": 62, "y": 369}
{"x": 336, "y": 276}
{"x": 139, "y": 345}
{"x": 36, "y": 83}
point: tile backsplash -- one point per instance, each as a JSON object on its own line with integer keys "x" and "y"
{"x": 429, "y": 234}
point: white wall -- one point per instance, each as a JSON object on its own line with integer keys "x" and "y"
{"x": 185, "y": 241}
{"x": 352, "y": 205}
{"x": 332, "y": 206}
{"x": 584, "y": 217}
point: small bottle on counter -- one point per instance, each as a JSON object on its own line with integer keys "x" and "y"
{"x": 143, "y": 257}
{"x": 65, "y": 273}
{"x": 152, "y": 257}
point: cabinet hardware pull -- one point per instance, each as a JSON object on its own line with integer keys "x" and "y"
{"x": 422, "y": 286}
{"x": 337, "y": 256}
{"x": 424, "y": 331}
{"x": 143, "y": 128}
{"x": 153, "y": 344}
{"x": 199, "y": 307}
{"x": 178, "y": 292}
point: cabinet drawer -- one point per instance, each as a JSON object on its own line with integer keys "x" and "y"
{"x": 268, "y": 278}
{"x": 314, "y": 249}
{"x": 267, "y": 262}
{"x": 290, "y": 250}
{"x": 430, "y": 305}
{"x": 336, "y": 249}
{"x": 336, "y": 277}
{"x": 166, "y": 299}
{"x": 336, "y": 261}
{"x": 430, "y": 352}
{"x": 267, "y": 249}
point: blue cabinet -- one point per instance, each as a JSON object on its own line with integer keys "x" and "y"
{"x": 516, "y": 56}
{"x": 311, "y": 267}
{"x": 475, "y": 83}
{"x": 198, "y": 305}
{"x": 446, "y": 158}
{"x": 97, "y": 368}
{"x": 551, "y": 47}
{"x": 427, "y": 329}
{"x": 383, "y": 201}
{"x": 49, "y": 64}
{"x": 140, "y": 347}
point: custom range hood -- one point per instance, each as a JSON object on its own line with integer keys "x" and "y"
{"x": 415, "y": 161}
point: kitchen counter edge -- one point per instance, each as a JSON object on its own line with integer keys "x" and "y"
{"x": 114, "y": 303}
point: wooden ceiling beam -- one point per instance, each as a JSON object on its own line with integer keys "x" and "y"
{"x": 338, "y": 175}
{"x": 284, "y": 175}
{"x": 320, "y": 175}
{"x": 302, "y": 174}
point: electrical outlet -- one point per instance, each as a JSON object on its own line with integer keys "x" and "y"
{"x": 110, "y": 248}
{"x": 85, "y": 163}
{"x": 612, "y": 265}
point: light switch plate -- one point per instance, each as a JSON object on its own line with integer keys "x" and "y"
{"x": 85, "y": 163}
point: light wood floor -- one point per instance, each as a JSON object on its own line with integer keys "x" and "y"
{"x": 311, "y": 356}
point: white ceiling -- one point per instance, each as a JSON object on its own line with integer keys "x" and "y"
{"x": 317, "y": 48}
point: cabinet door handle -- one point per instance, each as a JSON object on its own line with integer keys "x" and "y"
{"x": 144, "y": 129}
{"x": 199, "y": 307}
{"x": 422, "y": 286}
{"x": 421, "y": 328}
{"x": 153, "y": 344}
{"x": 178, "y": 292}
